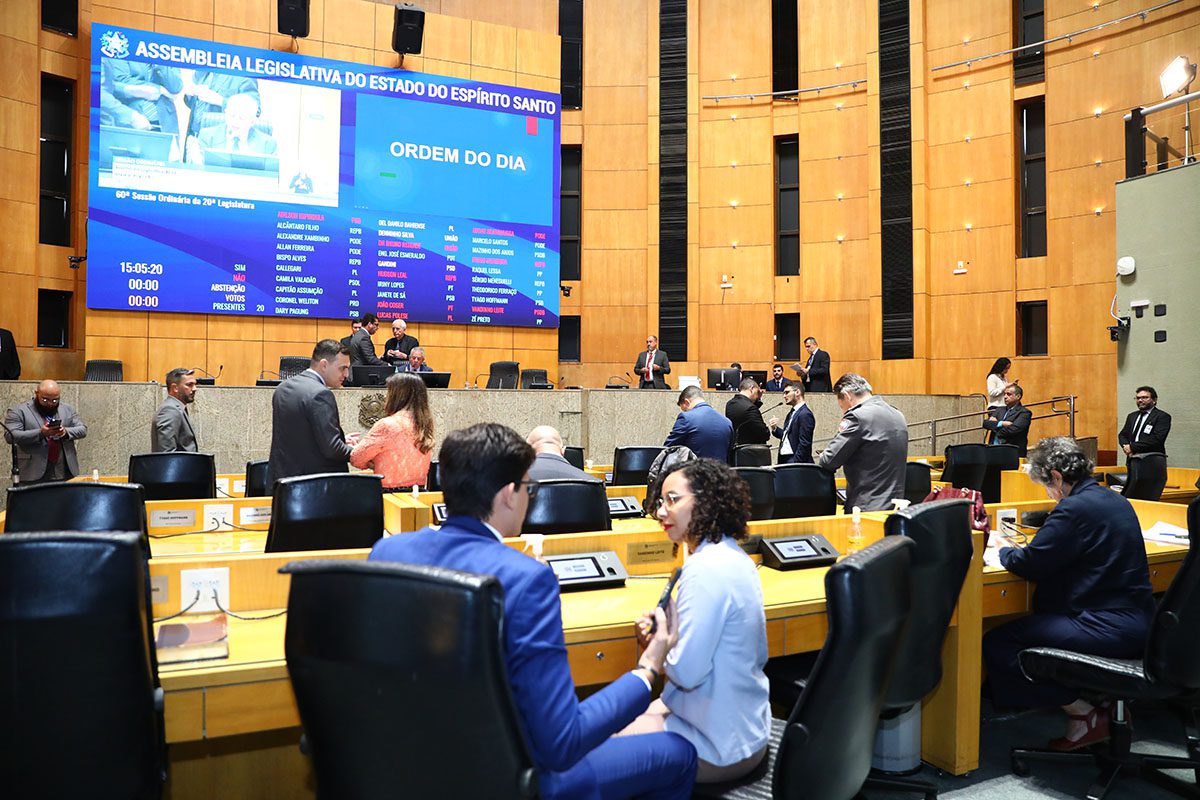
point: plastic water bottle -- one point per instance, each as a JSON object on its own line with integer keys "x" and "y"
{"x": 854, "y": 539}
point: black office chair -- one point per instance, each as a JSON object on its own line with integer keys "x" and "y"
{"x": 566, "y": 505}
{"x": 574, "y": 456}
{"x": 917, "y": 482}
{"x": 942, "y": 533}
{"x": 530, "y": 377}
{"x": 503, "y": 375}
{"x": 631, "y": 464}
{"x": 433, "y": 478}
{"x": 1000, "y": 457}
{"x": 804, "y": 490}
{"x": 1147, "y": 476}
{"x": 824, "y": 749}
{"x": 966, "y": 465}
{"x": 1169, "y": 670}
{"x": 291, "y": 366}
{"x": 81, "y": 702}
{"x": 77, "y": 506}
{"x": 761, "y": 481}
{"x": 175, "y": 476}
{"x": 398, "y": 669}
{"x": 104, "y": 370}
{"x": 752, "y": 455}
{"x": 331, "y": 511}
{"x": 258, "y": 478}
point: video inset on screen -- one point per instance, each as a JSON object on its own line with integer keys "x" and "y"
{"x": 210, "y": 133}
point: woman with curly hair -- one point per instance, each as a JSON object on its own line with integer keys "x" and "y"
{"x": 716, "y": 694}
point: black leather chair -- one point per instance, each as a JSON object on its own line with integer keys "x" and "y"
{"x": 917, "y": 482}
{"x": 804, "y": 490}
{"x": 530, "y": 377}
{"x": 503, "y": 375}
{"x": 81, "y": 702}
{"x": 1147, "y": 477}
{"x": 824, "y": 749}
{"x": 291, "y": 366}
{"x": 566, "y": 505}
{"x": 752, "y": 455}
{"x": 1169, "y": 670}
{"x": 257, "y": 478}
{"x": 433, "y": 478}
{"x": 375, "y": 652}
{"x": 631, "y": 464}
{"x": 1000, "y": 457}
{"x": 104, "y": 370}
{"x": 761, "y": 481}
{"x": 77, "y": 506}
{"x": 175, "y": 476}
{"x": 331, "y": 511}
{"x": 942, "y": 533}
{"x": 574, "y": 456}
{"x": 966, "y": 465}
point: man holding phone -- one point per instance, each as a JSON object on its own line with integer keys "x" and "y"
{"x": 44, "y": 429}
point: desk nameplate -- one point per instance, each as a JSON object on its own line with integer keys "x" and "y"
{"x": 649, "y": 552}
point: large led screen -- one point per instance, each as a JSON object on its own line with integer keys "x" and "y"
{"x": 232, "y": 180}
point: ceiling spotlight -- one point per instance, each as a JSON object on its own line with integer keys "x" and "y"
{"x": 1178, "y": 75}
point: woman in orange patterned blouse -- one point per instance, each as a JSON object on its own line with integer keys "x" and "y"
{"x": 400, "y": 446}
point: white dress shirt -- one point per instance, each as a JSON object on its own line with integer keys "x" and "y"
{"x": 995, "y": 390}
{"x": 716, "y": 690}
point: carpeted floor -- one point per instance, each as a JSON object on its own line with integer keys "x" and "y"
{"x": 1156, "y": 730}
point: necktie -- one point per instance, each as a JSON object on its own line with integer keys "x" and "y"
{"x": 1137, "y": 432}
{"x": 649, "y": 362}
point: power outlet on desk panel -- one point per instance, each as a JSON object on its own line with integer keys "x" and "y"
{"x": 204, "y": 581}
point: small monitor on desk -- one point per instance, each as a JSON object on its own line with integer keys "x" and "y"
{"x": 435, "y": 380}
{"x": 624, "y": 506}
{"x": 724, "y": 378}
{"x": 760, "y": 375}
{"x": 601, "y": 570}
{"x": 797, "y": 552}
{"x": 266, "y": 382}
{"x": 371, "y": 374}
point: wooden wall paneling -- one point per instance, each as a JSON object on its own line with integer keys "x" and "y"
{"x": 493, "y": 46}
{"x": 440, "y": 336}
{"x": 1082, "y": 249}
{"x": 18, "y": 250}
{"x": 243, "y": 361}
{"x": 614, "y": 228}
{"x": 18, "y": 314}
{"x": 745, "y": 332}
{"x": 535, "y": 339}
{"x": 244, "y": 15}
{"x": 1032, "y": 274}
{"x": 18, "y": 173}
{"x": 733, "y": 42}
{"x": 971, "y": 327}
{"x": 838, "y": 326}
{"x": 825, "y": 220}
{"x": 902, "y": 376}
{"x": 746, "y": 225}
{"x": 968, "y": 375}
{"x": 132, "y": 352}
{"x": 164, "y": 355}
{"x": 837, "y": 272}
{"x": 118, "y": 323}
{"x": 987, "y": 205}
{"x": 479, "y": 360}
{"x": 540, "y": 15}
{"x": 826, "y": 178}
{"x": 616, "y": 105}
{"x": 290, "y": 330}
{"x": 190, "y": 10}
{"x": 830, "y": 133}
{"x": 1078, "y": 319}
{"x": 614, "y": 334}
{"x": 235, "y": 328}
{"x": 18, "y": 125}
{"x": 831, "y": 32}
{"x": 615, "y": 147}
{"x": 273, "y": 350}
{"x": 948, "y": 23}
{"x": 614, "y": 189}
{"x": 750, "y": 185}
{"x": 538, "y": 53}
{"x": 981, "y": 161}
{"x": 983, "y": 110}
{"x": 613, "y": 51}
{"x": 743, "y": 144}
{"x": 1081, "y": 190}
{"x": 987, "y": 255}
{"x": 750, "y": 270}
{"x": 183, "y": 27}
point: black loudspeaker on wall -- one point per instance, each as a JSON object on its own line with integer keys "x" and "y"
{"x": 408, "y": 29}
{"x": 293, "y": 17}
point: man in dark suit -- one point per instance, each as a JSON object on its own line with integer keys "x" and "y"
{"x": 397, "y": 348}
{"x": 551, "y": 460}
{"x": 306, "y": 434}
{"x": 10, "y": 359}
{"x": 652, "y": 364}
{"x": 743, "y": 410}
{"x": 486, "y": 484}
{"x": 362, "y": 349}
{"x": 777, "y": 383}
{"x": 700, "y": 427}
{"x": 172, "y": 431}
{"x": 796, "y": 435}
{"x": 815, "y": 372}
{"x": 1009, "y": 423}
{"x": 1147, "y": 428}
{"x": 355, "y": 324}
{"x": 415, "y": 362}
{"x": 44, "y": 431}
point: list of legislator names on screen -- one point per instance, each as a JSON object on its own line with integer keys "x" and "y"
{"x": 294, "y": 186}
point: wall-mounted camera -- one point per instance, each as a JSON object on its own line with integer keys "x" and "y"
{"x": 75, "y": 261}
{"x": 565, "y": 289}
{"x": 1117, "y": 332}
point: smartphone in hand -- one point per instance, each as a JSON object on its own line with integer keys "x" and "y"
{"x": 665, "y": 600}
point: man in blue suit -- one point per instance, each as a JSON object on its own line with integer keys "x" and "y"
{"x": 485, "y": 480}
{"x": 796, "y": 435}
{"x": 700, "y": 427}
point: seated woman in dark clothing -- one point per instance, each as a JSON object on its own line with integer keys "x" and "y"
{"x": 1093, "y": 589}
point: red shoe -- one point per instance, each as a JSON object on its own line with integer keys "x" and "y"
{"x": 1096, "y": 721}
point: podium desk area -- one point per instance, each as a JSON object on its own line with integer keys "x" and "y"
{"x": 1017, "y": 486}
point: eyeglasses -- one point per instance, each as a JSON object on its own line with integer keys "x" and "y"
{"x": 531, "y": 487}
{"x": 670, "y": 500}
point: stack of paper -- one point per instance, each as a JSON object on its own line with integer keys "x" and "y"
{"x": 1166, "y": 533}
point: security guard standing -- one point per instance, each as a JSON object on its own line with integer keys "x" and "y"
{"x": 871, "y": 446}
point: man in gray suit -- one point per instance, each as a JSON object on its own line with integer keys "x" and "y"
{"x": 871, "y": 446}
{"x": 306, "y": 434}
{"x": 362, "y": 349}
{"x": 44, "y": 431}
{"x": 172, "y": 430}
{"x": 550, "y": 463}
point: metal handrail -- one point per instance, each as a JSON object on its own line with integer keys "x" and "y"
{"x": 934, "y": 433}
{"x": 1067, "y": 36}
{"x": 789, "y": 94}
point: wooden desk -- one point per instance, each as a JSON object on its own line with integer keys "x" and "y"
{"x": 1017, "y": 486}
{"x": 422, "y": 504}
